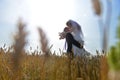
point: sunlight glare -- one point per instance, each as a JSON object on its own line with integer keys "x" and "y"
{"x": 51, "y": 15}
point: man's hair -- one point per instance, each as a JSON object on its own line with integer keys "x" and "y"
{"x": 66, "y": 29}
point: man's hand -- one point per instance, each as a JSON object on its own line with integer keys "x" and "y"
{"x": 62, "y": 35}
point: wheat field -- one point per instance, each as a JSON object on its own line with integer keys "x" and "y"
{"x": 52, "y": 67}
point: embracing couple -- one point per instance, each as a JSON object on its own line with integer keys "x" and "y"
{"x": 74, "y": 38}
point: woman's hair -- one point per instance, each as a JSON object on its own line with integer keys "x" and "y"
{"x": 68, "y": 23}
{"x": 73, "y": 23}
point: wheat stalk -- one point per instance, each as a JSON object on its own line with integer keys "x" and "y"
{"x": 19, "y": 43}
{"x": 43, "y": 42}
{"x": 97, "y": 6}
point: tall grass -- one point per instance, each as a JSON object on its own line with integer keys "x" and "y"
{"x": 103, "y": 25}
{"x": 35, "y": 67}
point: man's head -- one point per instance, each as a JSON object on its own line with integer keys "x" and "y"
{"x": 66, "y": 29}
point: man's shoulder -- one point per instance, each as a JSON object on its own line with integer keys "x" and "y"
{"x": 69, "y": 35}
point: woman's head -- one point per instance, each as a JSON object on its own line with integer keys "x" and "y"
{"x": 73, "y": 25}
{"x": 69, "y": 24}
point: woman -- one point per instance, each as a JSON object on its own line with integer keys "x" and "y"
{"x": 78, "y": 36}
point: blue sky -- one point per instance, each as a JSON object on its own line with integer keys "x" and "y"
{"x": 51, "y": 15}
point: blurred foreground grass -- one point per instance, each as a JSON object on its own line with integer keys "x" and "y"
{"x": 53, "y": 67}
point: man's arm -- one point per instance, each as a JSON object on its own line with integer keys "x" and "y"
{"x": 71, "y": 40}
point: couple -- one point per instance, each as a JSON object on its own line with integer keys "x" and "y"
{"x": 74, "y": 38}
